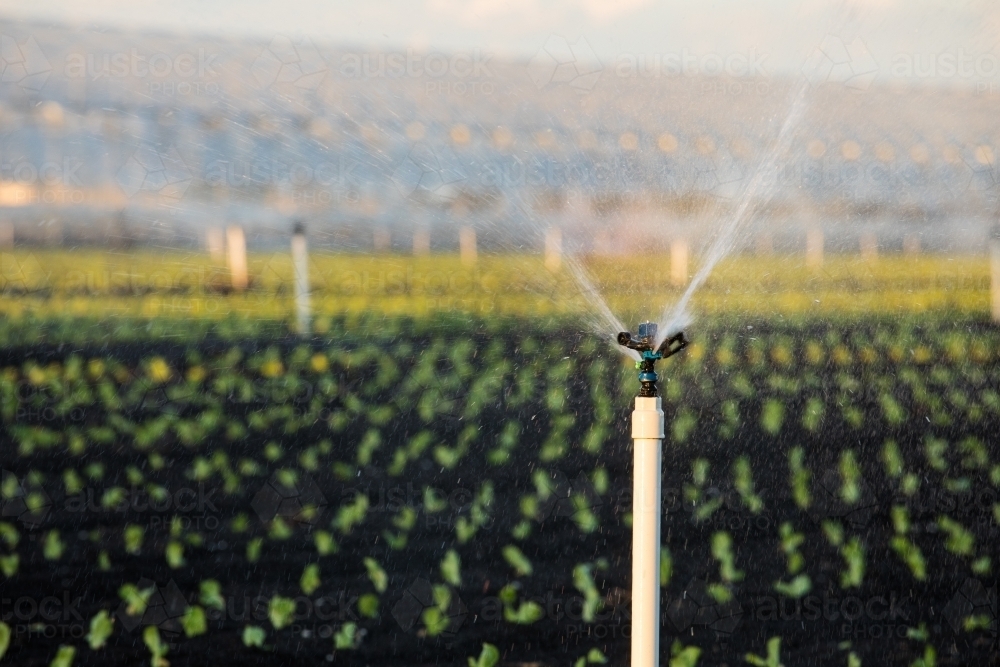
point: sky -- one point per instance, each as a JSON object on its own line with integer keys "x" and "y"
{"x": 777, "y": 35}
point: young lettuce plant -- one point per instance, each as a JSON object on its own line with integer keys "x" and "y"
{"x": 583, "y": 581}
{"x": 594, "y": 657}
{"x": 489, "y": 656}
{"x": 194, "y": 621}
{"x": 798, "y": 478}
{"x": 772, "y": 416}
{"x": 722, "y": 551}
{"x": 524, "y": 613}
{"x": 800, "y": 584}
{"x": 310, "y": 579}
{"x": 743, "y": 481}
{"x": 907, "y": 551}
{"x": 479, "y": 514}
{"x": 281, "y": 611}
{"x": 101, "y": 627}
{"x": 64, "y": 657}
{"x": 377, "y": 575}
{"x": 347, "y": 637}
{"x": 254, "y": 636}
{"x": 158, "y": 649}
{"x": 517, "y": 560}
{"x": 694, "y": 495}
{"x": 451, "y": 568}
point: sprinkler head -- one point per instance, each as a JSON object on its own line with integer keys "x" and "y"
{"x": 645, "y": 344}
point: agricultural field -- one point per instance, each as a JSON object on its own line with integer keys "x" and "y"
{"x": 423, "y": 483}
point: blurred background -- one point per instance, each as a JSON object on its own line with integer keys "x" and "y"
{"x": 599, "y": 129}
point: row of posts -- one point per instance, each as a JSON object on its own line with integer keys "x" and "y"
{"x": 232, "y": 246}
{"x": 679, "y": 248}
{"x": 229, "y": 245}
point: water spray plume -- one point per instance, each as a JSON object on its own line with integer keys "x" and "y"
{"x": 759, "y": 188}
{"x": 603, "y": 322}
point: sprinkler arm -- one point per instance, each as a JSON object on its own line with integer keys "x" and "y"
{"x": 667, "y": 348}
{"x": 649, "y": 354}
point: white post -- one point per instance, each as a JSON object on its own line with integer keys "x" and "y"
{"x": 237, "y": 243}
{"x": 300, "y": 266}
{"x": 467, "y": 245}
{"x": 647, "y": 438}
{"x": 995, "y": 278}
{"x": 553, "y": 249}
{"x": 814, "y": 247}
{"x": 678, "y": 262}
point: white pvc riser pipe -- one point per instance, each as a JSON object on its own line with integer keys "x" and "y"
{"x": 647, "y": 437}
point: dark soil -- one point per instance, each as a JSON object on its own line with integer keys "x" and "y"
{"x": 50, "y": 602}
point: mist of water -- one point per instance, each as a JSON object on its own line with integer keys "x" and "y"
{"x": 602, "y": 320}
{"x": 675, "y": 317}
{"x": 759, "y": 188}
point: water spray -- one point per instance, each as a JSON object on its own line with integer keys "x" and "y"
{"x": 647, "y": 438}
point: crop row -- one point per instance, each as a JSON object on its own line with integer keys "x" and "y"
{"x": 53, "y": 292}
